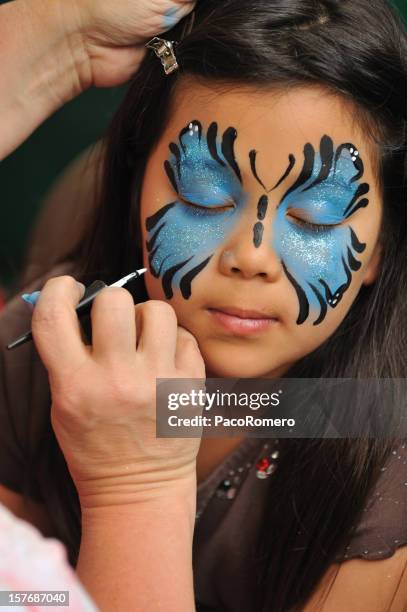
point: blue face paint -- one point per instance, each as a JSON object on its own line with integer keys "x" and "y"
{"x": 319, "y": 261}
{"x": 182, "y": 237}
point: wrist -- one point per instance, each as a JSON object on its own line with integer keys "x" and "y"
{"x": 180, "y": 501}
{"x": 151, "y": 541}
{"x": 60, "y": 68}
{"x": 125, "y": 489}
{"x": 44, "y": 64}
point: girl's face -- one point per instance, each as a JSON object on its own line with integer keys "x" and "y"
{"x": 264, "y": 202}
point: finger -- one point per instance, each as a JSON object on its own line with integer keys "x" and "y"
{"x": 175, "y": 13}
{"x": 113, "y": 323}
{"x": 157, "y": 331}
{"x": 190, "y": 367}
{"x": 55, "y": 324}
{"x": 188, "y": 358}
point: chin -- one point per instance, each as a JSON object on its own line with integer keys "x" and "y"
{"x": 229, "y": 364}
{"x": 224, "y": 360}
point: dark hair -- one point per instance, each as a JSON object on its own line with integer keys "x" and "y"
{"x": 357, "y": 50}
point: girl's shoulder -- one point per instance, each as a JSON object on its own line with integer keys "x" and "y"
{"x": 383, "y": 526}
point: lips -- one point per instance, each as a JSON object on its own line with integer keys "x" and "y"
{"x": 242, "y": 322}
{"x": 243, "y": 313}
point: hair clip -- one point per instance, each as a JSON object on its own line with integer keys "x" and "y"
{"x": 164, "y": 49}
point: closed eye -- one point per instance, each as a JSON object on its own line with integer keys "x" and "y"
{"x": 313, "y": 227}
{"x": 211, "y": 209}
{"x": 303, "y": 220}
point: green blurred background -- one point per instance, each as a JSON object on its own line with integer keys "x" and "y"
{"x": 27, "y": 174}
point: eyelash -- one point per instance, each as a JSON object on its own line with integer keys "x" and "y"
{"x": 312, "y": 227}
{"x": 212, "y": 210}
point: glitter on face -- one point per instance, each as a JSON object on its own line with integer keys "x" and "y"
{"x": 319, "y": 259}
{"x": 318, "y": 250}
{"x": 183, "y": 237}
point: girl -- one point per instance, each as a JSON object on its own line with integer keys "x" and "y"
{"x": 263, "y": 187}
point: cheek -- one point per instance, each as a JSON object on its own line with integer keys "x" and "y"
{"x": 153, "y": 286}
{"x": 320, "y": 266}
{"x": 179, "y": 243}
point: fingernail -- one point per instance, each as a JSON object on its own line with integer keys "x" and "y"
{"x": 170, "y": 18}
{"x": 31, "y": 298}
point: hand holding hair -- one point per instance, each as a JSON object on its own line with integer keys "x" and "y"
{"x": 52, "y": 50}
{"x": 115, "y": 31}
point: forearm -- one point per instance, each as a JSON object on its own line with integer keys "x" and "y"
{"x": 139, "y": 556}
{"x": 43, "y": 65}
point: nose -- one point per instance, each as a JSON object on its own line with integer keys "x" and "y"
{"x": 248, "y": 252}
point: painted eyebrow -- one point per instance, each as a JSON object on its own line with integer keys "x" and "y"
{"x": 252, "y": 158}
{"x": 227, "y": 147}
{"x": 329, "y": 159}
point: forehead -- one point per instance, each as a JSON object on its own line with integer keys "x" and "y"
{"x": 275, "y": 122}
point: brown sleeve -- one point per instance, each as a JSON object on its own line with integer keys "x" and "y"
{"x": 64, "y": 216}
{"x": 24, "y": 397}
{"x": 383, "y": 527}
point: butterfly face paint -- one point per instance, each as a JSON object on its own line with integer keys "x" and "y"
{"x": 184, "y": 234}
{"x": 319, "y": 255}
{"x": 318, "y": 252}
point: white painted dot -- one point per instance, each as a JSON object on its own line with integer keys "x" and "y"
{"x": 356, "y": 153}
{"x": 351, "y": 149}
{"x": 196, "y": 128}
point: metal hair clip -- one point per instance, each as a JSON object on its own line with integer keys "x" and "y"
{"x": 164, "y": 49}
